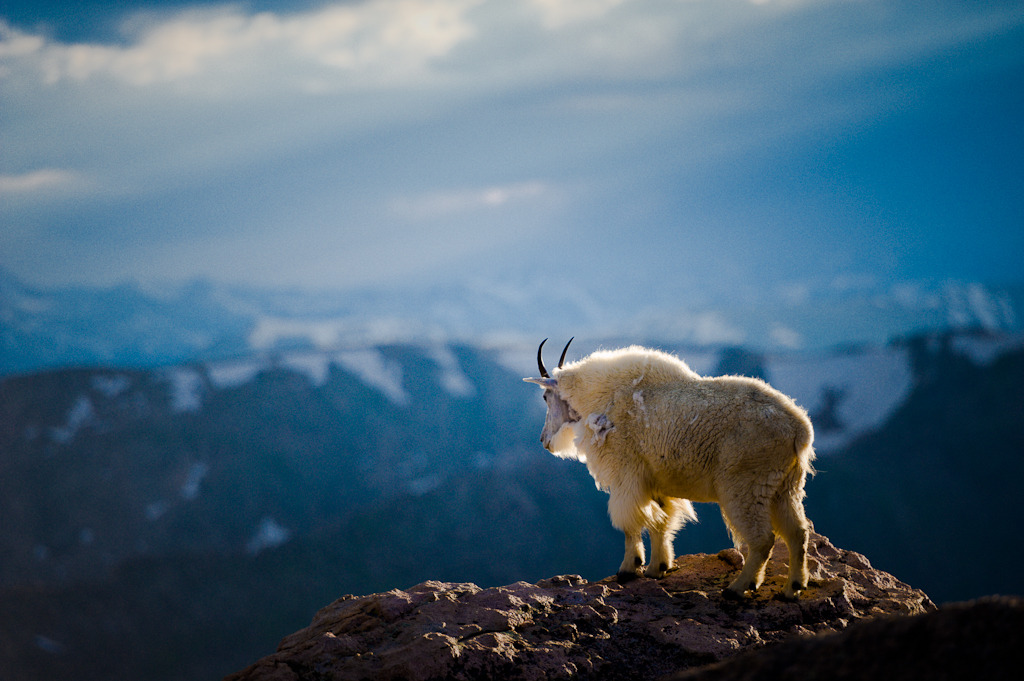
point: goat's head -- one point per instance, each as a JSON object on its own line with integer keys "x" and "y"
{"x": 558, "y": 435}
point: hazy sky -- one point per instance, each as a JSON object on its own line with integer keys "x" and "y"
{"x": 713, "y": 145}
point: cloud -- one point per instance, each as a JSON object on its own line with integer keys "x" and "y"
{"x": 383, "y": 42}
{"x": 786, "y": 337}
{"x": 346, "y": 68}
{"x": 377, "y": 44}
{"x": 445, "y": 204}
{"x": 257, "y": 135}
{"x": 559, "y": 13}
{"x": 46, "y": 180}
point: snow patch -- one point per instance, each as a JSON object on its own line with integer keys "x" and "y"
{"x": 375, "y": 371}
{"x": 156, "y": 510}
{"x": 236, "y": 373}
{"x": 187, "y": 389}
{"x": 269, "y": 534}
{"x": 193, "y": 478}
{"x": 110, "y": 386}
{"x": 315, "y": 365}
{"x": 79, "y": 416}
{"x": 983, "y": 350}
{"x": 453, "y": 379}
{"x": 271, "y": 332}
{"x": 424, "y": 484}
{"x": 866, "y": 386}
{"x": 974, "y": 305}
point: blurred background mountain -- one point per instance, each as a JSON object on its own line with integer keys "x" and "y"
{"x": 174, "y": 521}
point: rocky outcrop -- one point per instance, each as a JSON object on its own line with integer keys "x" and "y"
{"x": 567, "y": 627}
{"x": 982, "y": 639}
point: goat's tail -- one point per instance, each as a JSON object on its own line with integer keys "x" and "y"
{"x": 803, "y": 447}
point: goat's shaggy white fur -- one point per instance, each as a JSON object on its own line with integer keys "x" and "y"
{"x": 655, "y": 435}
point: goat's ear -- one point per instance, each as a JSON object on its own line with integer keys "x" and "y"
{"x": 543, "y": 382}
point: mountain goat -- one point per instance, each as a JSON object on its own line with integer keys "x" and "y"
{"x": 655, "y": 435}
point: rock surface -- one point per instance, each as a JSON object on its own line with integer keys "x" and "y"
{"x": 982, "y": 639}
{"x": 567, "y": 627}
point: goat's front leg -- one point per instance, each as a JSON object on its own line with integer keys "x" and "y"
{"x": 661, "y": 554}
{"x": 633, "y": 561}
{"x": 626, "y": 515}
{"x": 668, "y": 514}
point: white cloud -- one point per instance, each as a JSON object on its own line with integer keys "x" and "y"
{"x": 262, "y": 81}
{"x": 460, "y": 48}
{"x": 389, "y": 41}
{"x": 15, "y": 44}
{"x": 711, "y": 328}
{"x": 37, "y": 181}
{"x": 786, "y": 337}
{"x": 326, "y": 137}
{"x": 558, "y": 13}
{"x": 448, "y": 203}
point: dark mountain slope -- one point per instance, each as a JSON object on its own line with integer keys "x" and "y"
{"x": 935, "y": 487}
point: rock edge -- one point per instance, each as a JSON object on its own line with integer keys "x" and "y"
{"x": 566, "y": 627}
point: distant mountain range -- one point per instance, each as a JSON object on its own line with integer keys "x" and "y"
{"x": 212, "y": 506}
{"x": 102, "y": 465}
{"x": 202, "y": 469}
{"x": 135, "y": 326}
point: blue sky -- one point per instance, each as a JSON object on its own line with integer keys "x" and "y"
{"x": 705, "y": 147}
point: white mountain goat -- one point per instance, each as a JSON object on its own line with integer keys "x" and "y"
{"x": 655, "y": 435}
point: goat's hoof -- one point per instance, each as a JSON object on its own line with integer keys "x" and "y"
{"x": 792, "y": 592}
{"x": 656, "y": 572}
{"x": 626, "y": 577}
{"x": 730, "y": 595}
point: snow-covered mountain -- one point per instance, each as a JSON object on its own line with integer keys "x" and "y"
{"x": 188, "y": 501}
{"x": 200, "y": 463}
{"x": 405, "y": 418}
{"x": 135, "y": 326}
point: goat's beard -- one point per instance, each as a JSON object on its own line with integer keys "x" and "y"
{"x": 563, "y": 444}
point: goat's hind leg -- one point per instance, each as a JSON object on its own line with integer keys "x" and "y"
{"x": 790, "y": 522}
{"x": 755, "y": 529}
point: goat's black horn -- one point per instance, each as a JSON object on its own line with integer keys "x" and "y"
{"x": 561, "y": 360}
{"x": 540, "y": 360}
